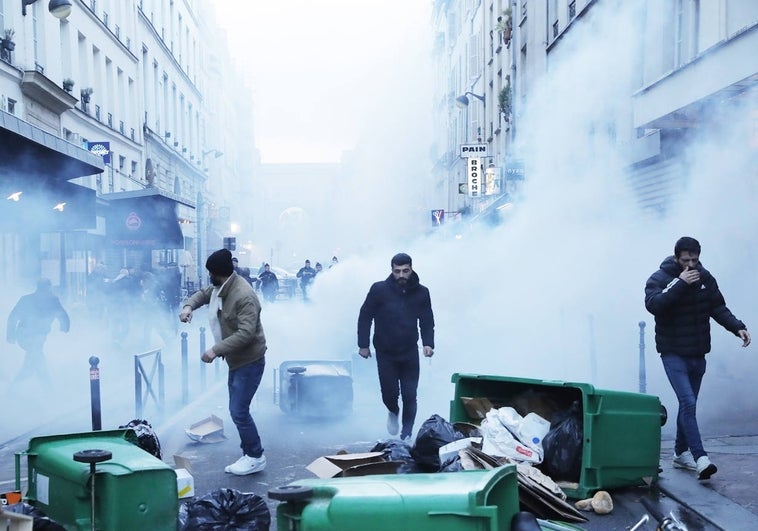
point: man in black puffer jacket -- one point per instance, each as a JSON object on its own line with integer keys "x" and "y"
{"x": 398, "y": 306}
{"x": 683, "y": 296}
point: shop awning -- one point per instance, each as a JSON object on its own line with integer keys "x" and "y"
{"x": 28, "y": 151}
{"x": 45, "y": 206}
{"x": 145, "y": 219}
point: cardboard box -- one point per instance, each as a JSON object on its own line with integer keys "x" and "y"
{"x": 451, "y": 449}
{"x": 477, "y": 408}
{"x": 331, "y": 466}
{"x": 185, "y": 483}
{"x": 208, "y": 430}
{"x": 15, "y": 522}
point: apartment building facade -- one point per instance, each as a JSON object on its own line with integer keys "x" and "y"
{"x": 141, "y": 92}
{"x": 688, "y": 62}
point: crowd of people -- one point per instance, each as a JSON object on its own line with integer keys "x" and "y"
{"x": 268, "y": 284}
{"x": 135, "y": 302}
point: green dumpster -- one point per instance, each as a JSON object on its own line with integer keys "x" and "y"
{"x": 455, "y": 501}
{"x": 133, "y": 489}
{"x": 622, "y": 430}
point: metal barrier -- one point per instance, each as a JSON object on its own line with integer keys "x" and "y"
{"x": 141, "y": 374}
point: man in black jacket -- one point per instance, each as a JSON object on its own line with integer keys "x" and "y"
{"x": 30, "y": 322}
{"x": 683, "y": 296}
{"x": 398, "y": 306}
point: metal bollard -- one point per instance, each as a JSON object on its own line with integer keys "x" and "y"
{"x": 185, "y": 370}
{"x": 94, "y": 390}
{"x": 202, "y": 351}
{"x": 643, "y": 376}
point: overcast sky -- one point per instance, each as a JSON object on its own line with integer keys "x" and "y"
{"x": 314, "y": 66}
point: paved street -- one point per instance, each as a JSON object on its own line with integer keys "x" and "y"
{"x": 728, "y": 501}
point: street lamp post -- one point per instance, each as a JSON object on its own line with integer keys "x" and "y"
{"x": 58, "y": 8}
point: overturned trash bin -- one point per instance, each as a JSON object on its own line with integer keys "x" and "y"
{"x": 135, "y": 490}
{"x": 618, "y": 434}
{"x": 314, "y": 389}
{"x": 476, "y": 499}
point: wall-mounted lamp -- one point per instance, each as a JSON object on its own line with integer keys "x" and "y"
{"x": 58, "y": 8}
{"x": 463, "y": 101}
{"x": 216, "y": 153}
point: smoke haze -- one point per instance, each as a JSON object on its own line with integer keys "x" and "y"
{"x": 556, "y": 292}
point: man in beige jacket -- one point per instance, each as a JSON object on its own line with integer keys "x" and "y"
{"x": 235, "y": 320}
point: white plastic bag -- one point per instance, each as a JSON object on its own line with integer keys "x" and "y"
{"x": 499, "y": 441}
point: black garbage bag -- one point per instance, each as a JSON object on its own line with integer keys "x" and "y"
{"x": 146, "y": 437}
{"x": 563, "y": 445}
{"x": 225, "y": 509}
{"x": 397, "y": 450}
{"x": 40, "y": 520}
{"x": 434, "y": 433}
{"x": 452, "y": 464}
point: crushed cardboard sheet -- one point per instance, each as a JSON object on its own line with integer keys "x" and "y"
{"x": 358, "y": 464}
{"x": 537, "y": 492}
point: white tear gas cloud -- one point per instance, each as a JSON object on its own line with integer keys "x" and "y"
{"x": 557, "y": 292}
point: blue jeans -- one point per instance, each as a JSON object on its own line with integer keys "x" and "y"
{"x": 685, "y": 375}
{"x": 398, "y": 376}
{"x": 243, "y": 383}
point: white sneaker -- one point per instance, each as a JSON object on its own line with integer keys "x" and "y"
{"x": 705, "y": 469}
{"x": 246, "y": 465}
{"x": 685, "y": 461}
{"x": 392, "y": 424}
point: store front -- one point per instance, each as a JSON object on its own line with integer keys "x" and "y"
{"x": 40, "y": 210}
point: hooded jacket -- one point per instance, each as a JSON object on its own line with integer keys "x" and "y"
{"x": 397, "y": 312}
{"x": 243, "y": 340}
{"x": 682, "y": 311}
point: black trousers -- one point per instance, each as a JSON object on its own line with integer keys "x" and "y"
{"x": 398, "y": 378}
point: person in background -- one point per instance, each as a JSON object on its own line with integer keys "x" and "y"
{"x": 97, "y": 285}
{"x": 234, "y": 313}
{"x": 269, "y": 283}
{"x": 306, "y": 274}
{"x": 124, "y": 299}
{"x": 29, "y": 323}
{"x": 334, "y": 262}
{"x": 244, "y": 272}
{"x": 398, "y": 306}
{"x": 684, "y": 296}
{"x": 319, "y": 268}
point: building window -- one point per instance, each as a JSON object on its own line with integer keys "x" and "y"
{"x": 97, "y": 112}
{"x": 555, "y": 29}
{"x": 110, "y": 120}
{"x": 121, "y": 162}
{"x": 121, "y": 127}
{"x": 11, "y": 106}
{"x": 572, "y": 10}
{"x": 134, "y": 169}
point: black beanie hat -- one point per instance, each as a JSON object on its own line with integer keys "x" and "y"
{"x": 220, "y": 263}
